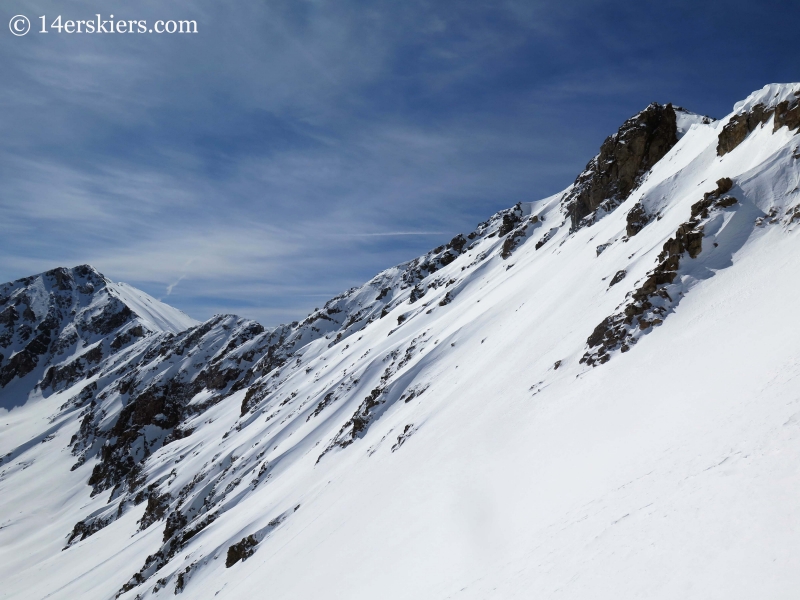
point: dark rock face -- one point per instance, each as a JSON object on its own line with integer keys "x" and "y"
{"x": 157, "y": 505}
{"x": 359, "y": 422}
{"x": 165, "y": 404}
{"x": 241, "y": 551}
{"x": 510, "y": 220}
{"x": 516, "y": 229}
{"x": 546, "y": 238}
{"x": 739, "y": 127}
{"x": 624, "y": 158}
{"x": 82, "y": 530}
{"x": 19, "y": 365}
{"x": 157, "y": 379}
{"x": 786, "y": 113}
{"x": 70, "y": 298}
{"x": 650, "y": 303}
{"x": 126, "y": 337}
{"x": 637, "y": 219}
{"x": 619, "y": 276}
{"x": 114, "y": 315}
{"x": 26, "y": 359}
{"x": 64, "y": 280}
{"x": 8, "y": 316}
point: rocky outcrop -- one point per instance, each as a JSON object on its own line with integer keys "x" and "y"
{"x": 241, "y": 551}
{"x": 740, "y": 126}
{"x": 73, "y": 307}
{"x": 162, "y": 405}
{"x": 624, "y": 158}
{"x": 546, "y": 238}
{"x": 359, "y": 422}
{"x": 786, "y": 114}
{"x": 637, "y": 219}
{"x": 516, "y": 228}
{"x": 618, "y": 276}
{"x": 652, "y": 301}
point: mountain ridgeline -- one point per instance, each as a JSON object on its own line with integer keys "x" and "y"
{"x": 176, "y": 429}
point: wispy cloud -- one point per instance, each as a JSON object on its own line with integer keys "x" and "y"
{"x": 292, "y": 149}
{"x": 392, "y": 233}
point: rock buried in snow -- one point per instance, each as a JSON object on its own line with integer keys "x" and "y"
{"x": 241, "y": 551}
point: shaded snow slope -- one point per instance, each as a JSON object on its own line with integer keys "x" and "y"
{"x": 531, "y": 410}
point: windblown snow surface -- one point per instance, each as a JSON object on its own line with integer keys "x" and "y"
{"x": 531, "y": 411}
{"x": 156, "y": 314}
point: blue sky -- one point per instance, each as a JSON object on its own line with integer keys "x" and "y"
{"x": 291, "y": 150}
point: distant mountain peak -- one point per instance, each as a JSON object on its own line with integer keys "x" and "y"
{"x": 50, "y": 319}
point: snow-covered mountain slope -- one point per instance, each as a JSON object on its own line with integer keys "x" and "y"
{"x": 684, "y": 119}
{"x": 592, "y": 395}
{"x": 71, "y": 317}
{"x": 153, "y": 313}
